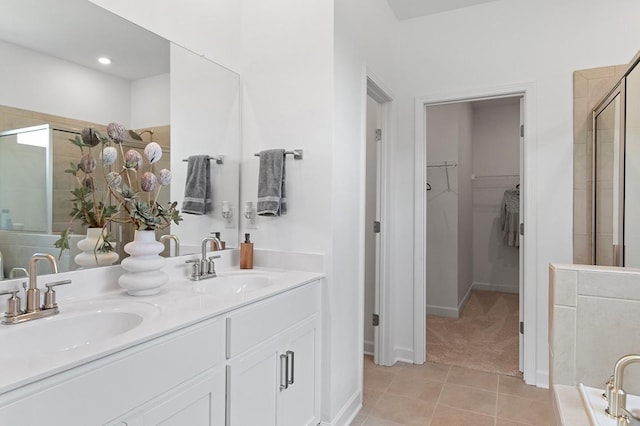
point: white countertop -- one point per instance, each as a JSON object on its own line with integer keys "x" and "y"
{"x": 178, "y": 305}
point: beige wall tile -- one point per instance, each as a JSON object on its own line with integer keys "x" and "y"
{"x": 565, "y": 287}
{"x": 580, "y": 85}
{"x": 622, "y": 285}
{"x": 599, "y": 72}
{"x": 562, "y": 340}
{"x": 607, "y": 329}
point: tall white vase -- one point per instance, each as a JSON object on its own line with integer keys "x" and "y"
{"x": 90, "y": 257}
{"x": 144, "y": 275}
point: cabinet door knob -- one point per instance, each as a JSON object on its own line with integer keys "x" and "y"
{"x": 290, "y": 354}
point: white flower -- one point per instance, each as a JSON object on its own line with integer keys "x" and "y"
{"x": 133, "y": 159}
{"x": 153, "y": 152}
{"x": 148, "y": 182}
{"x": 114, "y": 179}
{"x": 165, "y": 177}
{"x": 109, "y": 155}
{"x": 116, "y": 132}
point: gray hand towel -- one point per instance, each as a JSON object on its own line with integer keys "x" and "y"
{"x": 272, "y": 199}
{"x": 197, "y": 190}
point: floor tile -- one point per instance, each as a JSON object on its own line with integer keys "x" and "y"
{"x": 469, "y": 399}
{"x": 402, "y": 410}
{"x": 473, "y": 378}
{"x": 415, "y": 387}
{"x": 515, "y": 386}
{"x": 527, "y": 411}
{"x": 446, "y": 416}
{"x": 429, "y": 371}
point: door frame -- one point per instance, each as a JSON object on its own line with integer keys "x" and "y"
{"x": 529, "y": 181}
{"x": 375, "y": 88}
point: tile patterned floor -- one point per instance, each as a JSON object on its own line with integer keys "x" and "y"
{"x": 440, "y": 395}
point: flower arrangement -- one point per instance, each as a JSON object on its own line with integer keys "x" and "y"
{"x": 143, "y": 214}
{"x": 124, "y": 187}
{"x": 88, "y": 206}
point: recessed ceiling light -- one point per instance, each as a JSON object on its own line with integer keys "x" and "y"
{"x": 104, "y": 60}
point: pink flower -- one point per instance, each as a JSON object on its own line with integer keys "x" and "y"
{"x": 153, "y": 152}
{"x": 148, "y": 182}
{"x": 117, "y": 133}
{"x": 165, "y": 177}
{"x": 132, "y": 159}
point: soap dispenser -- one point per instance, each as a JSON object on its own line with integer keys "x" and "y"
{"x": 246, "y": 253}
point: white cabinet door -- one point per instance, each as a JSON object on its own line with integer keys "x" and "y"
{"x": 199, "y": 402}
{"x": 299, "y": 402}
{"x": 277, "y": 382}
{"x": 252, "y": 388}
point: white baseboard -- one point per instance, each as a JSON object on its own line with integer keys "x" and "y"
{"x": 348, "y": 412}
{"x": 464, "y": 300}
{"x": 443, "y": 311}
{"x": 495, "y": 287}
{"x": 368, "y": 347}
{"x": 403, "y": 355}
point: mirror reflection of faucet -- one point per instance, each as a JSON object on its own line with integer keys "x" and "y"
{"x": 174, "y": 238}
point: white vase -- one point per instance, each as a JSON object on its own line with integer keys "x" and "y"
{"x": 89, "y": 256}
{"x": 144, "y": 275}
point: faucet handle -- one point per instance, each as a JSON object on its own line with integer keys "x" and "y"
{"x": 211, "y": 265}
{"x": 13, "y": 304}
{"x": 196, "y": 266}
{"x": 50, "y": 294}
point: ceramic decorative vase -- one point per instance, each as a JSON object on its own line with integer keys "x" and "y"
{"x": 144, "y": 275}
{"x": 89, "y": 257}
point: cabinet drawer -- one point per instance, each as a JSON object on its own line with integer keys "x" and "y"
{"x": 256, "y": 323}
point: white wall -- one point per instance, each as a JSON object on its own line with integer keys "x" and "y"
{"x": 496, "y": 151}
{"x": 443, "y": 123}
{"x": 505, "y": 42}
{"x": 150, "y": 103}
{"x": 364, "y": 37}
{"x": 33, "y": 81}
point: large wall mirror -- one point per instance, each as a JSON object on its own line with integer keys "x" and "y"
{"x": 51, "y": 82}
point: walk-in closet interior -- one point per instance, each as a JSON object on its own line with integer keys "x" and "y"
{"x": 473, "y": 242}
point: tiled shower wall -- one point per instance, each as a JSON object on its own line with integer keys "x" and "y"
{"x": 589, "y": 87}
{"x": 594, "y": 320}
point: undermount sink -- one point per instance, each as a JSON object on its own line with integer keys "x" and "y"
{"x": 234, "y": 284}
{"x": 72, "y": 328}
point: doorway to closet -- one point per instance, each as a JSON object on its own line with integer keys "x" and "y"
{"x": 473, "y": 216}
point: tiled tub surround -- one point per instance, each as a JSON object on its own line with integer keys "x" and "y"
{"x": 177, "y": 307}
{"x": 594, "y": 319}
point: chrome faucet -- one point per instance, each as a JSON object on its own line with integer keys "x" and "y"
{"x": 174, "y": 238}
{"x": 204, "y": 268}
{"x": 14, "y": 272}
{"x": 33, "y": 310}
{"x": 617, "y": 397}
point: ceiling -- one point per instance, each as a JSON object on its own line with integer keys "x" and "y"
{"x": 79, "y": 31}
{"x": 407, "y": 9}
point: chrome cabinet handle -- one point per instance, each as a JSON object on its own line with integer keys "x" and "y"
{"x": 284, "y": 384}
{"x": 292, "y": 355}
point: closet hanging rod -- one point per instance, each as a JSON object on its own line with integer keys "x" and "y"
{"x": 473, "y": 177}
{"x": 219, "y": 159}
{"x": 443, "y": 164}
{"x": 297, "y": 154}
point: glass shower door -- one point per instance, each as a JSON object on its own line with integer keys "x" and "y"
{"x": 609, "y": 180}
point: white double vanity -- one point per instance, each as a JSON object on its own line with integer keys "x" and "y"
{"x": 242, "y": 348}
